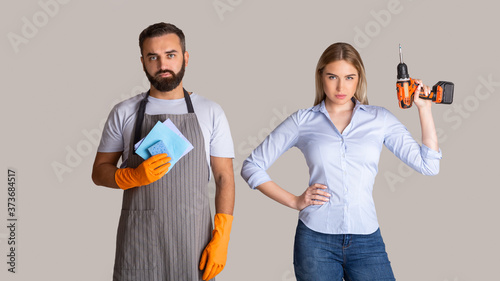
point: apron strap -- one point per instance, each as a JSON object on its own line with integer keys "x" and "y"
{"x": 142, "y": 110}
{"x": 189, "y": 104}
{"x": 140, "y": 118}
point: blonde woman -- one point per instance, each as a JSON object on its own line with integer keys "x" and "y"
{"x": 341, "y": 137}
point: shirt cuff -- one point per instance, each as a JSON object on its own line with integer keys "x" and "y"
{"x": 223, "y": 155}
{"x": 428, "y": 153}
{"x": 258, "y": 179}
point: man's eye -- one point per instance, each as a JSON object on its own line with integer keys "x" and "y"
{"x": 152, "y": 58}
{"x": 170, "y": 56}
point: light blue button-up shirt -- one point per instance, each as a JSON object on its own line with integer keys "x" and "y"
{"x": 346, "y": 163}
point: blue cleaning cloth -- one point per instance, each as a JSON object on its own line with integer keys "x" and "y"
{"x": 174, "y": 144}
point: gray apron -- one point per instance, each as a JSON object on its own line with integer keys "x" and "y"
{"x": 165, "y": 226}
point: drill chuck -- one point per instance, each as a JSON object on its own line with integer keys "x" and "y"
{"x": 402, "y": 68}
{"x": 403, "y": 71}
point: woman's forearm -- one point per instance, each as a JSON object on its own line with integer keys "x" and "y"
{"x": 429, "y": 135}
{"x": 278, "y": 194}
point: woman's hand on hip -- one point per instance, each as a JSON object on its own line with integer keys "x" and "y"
{"x": 314, "y": 195}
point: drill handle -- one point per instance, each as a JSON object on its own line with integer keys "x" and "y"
{"x": 442, "y": 92}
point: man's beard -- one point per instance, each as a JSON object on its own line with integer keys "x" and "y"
{"x": 166, "y": 84}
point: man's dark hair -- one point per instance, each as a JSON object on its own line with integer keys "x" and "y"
{"x": 160, "y": 29}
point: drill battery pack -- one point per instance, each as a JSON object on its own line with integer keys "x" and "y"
{"x": 442, "y": 92}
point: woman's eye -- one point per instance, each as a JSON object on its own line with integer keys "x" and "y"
{"x": 332, "y": 77}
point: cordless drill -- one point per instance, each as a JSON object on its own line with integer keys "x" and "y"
{"x": 442, "y": 92}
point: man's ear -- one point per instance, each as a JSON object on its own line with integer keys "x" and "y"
{"x": 142, "y": 60}
{"x": 186, "y": 58}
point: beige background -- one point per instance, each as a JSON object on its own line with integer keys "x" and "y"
{"x": 256, "y": 59}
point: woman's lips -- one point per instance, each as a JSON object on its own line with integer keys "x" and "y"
{"x": 340, "y": 96}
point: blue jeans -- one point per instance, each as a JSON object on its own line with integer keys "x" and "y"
{"x": 354, "y": 257}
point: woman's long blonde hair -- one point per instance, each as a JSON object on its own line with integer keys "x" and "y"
{"x": 336, "y": 52}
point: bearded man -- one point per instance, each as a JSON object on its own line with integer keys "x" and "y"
{"x": 165, "y": 229}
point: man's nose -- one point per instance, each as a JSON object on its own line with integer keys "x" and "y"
{"x": 163, "y": 63}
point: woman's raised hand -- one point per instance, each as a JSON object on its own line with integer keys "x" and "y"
{"x": 421, "y": 103}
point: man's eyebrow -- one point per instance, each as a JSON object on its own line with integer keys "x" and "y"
{"x": 167, "y": 52}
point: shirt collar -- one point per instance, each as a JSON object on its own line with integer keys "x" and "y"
{"x": 321, "y": 106}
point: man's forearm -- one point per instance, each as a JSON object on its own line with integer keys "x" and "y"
{"x": 224, "y": 194}
{"x": 103, "y": 171}
{"x": 104, "y": 175}
{"x": 222, "y": 169}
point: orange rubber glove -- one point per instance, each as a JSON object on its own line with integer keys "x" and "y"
{"x": 214, "y": 256}
{"x": 149, "y": 171}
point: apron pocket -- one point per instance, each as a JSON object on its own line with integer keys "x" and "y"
{"x": 137, "y": 240}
